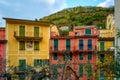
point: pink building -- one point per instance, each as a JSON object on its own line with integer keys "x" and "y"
{"x": 2, "y": 49}
{"x": 74, "y": 56}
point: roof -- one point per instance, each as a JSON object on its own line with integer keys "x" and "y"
{"x": 25, "y": 21}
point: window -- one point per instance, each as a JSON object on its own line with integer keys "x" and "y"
{"x": 36, "y": 31}
{"x": 70, "y": 56}
{"x": 80, "y": 44}
{"x": 22, "y": 65}
{"x": 81, "y": 56}
{"x": 102, "y": 57}
{"x": 89, "y": 70}
{"x": 102, "y": 46}
{"x": 89, "y": 55}
{"x": 56, "y": 44}
{"x": 87, "y": 31}
{"x": 46, "y": 62}
{"x": 55, "y": 56}
{"x": 36, "y": 45}
{"x": 37, "y": 62}
{"x": 102, "y": 75}
{"x": 81, "y": 70}
{"x": 22, "y": 31}
{"x": 89, "y": 44}
{"x": 22, "y": 45}
{"x": 68, "y": 44}
{"x": 54, "y": 69}
{"x": 67, "y": 56}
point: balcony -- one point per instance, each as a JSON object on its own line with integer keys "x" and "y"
{"x": 106, "y": 36}
{"x": 105, "y": 49}
{"x": 75, "y": 48}
{"x": 29, "y": 36}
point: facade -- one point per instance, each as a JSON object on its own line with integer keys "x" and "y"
{"x": 28, "y": 44}
{"x": 2, "y": 50}
{"x": 74, "y": 56}
{"x": 105, "y": 47}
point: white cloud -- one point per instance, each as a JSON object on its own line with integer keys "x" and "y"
{"x": 50, "y": 2}
{"x": 106, "y": 3}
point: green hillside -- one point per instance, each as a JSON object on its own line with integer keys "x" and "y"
{"x": 78, "y": 16}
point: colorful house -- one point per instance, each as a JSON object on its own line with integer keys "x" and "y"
{"x": 106, "y": 46}
{"x": 2, "y": 49}
{"x": 74, "y": 56}
{"x": 28, "y": 44}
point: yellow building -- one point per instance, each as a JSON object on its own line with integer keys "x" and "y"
{"x": 28, "y": 43}
{"x": 105, "y": 46}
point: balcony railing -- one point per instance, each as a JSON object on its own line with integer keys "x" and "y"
{"x": 28, "y": 36}
{"x": 73, "y": 48}
{"x": 106, "y": 49}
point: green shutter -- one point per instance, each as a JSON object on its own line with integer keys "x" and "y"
{"x": 81, "y": 70}
{"x": 55, "y": 56}
{"x": 45, "y": 62}
{"x": 38, "y": 62}
{"x": 89, "y": 44}
{"x": 36, "y": 31}
{"x": 22, "y": 65}
{"x": 22, "y": 45}
{"x": 81, "y": 44}
{"x": 36, "y": 45}
{"x": 89, "y": 56}
{"x": 68, "y": 44}
{"x": 88, "y": 31}
{"x": 102, "y": 57}
{"x": 81, "y": 56}
{"x": 22, "y": 31}
{"x": 102, "y": 46}
{"x": 56, "y": 44}
{"x": 89, "y": 70}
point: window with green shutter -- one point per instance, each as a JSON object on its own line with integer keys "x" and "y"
{"x": 22, "y": 65}
{"x": 81, "y": 44}
{"x": 22, "y": 30}
{"x": 36, "y": 45}
{"x": 54, "y": 69}
{"x": 22, "y": 45}
{"x": 55, "y": 56}
{"x": 37, "y": 62}
{"x": 89, "y": 55}
{"x": 68, "y": 44}
{"x": 102, "y": 57}
{"x": 81, "y": 56}
{"x": 89, "y": 44}
{"x": 56, "y": 44}
{"x": 102, "y": 46}
{"x": 89, "y": 70}
{"x": 87, "y": 31}
{"x": 45, "y": 62}
{"x": 36, "y": 31}
{"x": 81, "y": 70}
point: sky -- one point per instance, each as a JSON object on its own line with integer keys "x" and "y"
{"x": 36, "y": 9}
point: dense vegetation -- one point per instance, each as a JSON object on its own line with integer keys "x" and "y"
{"x": 78, "y": 16}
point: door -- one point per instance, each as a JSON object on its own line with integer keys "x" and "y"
{"x": 22, "y": 67}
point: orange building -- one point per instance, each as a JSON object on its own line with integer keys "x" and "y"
{"x": 74, "y": 56}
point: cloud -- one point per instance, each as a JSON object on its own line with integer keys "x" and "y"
{"x": 50, "y": 2}
{"x": 106, "y": 3}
